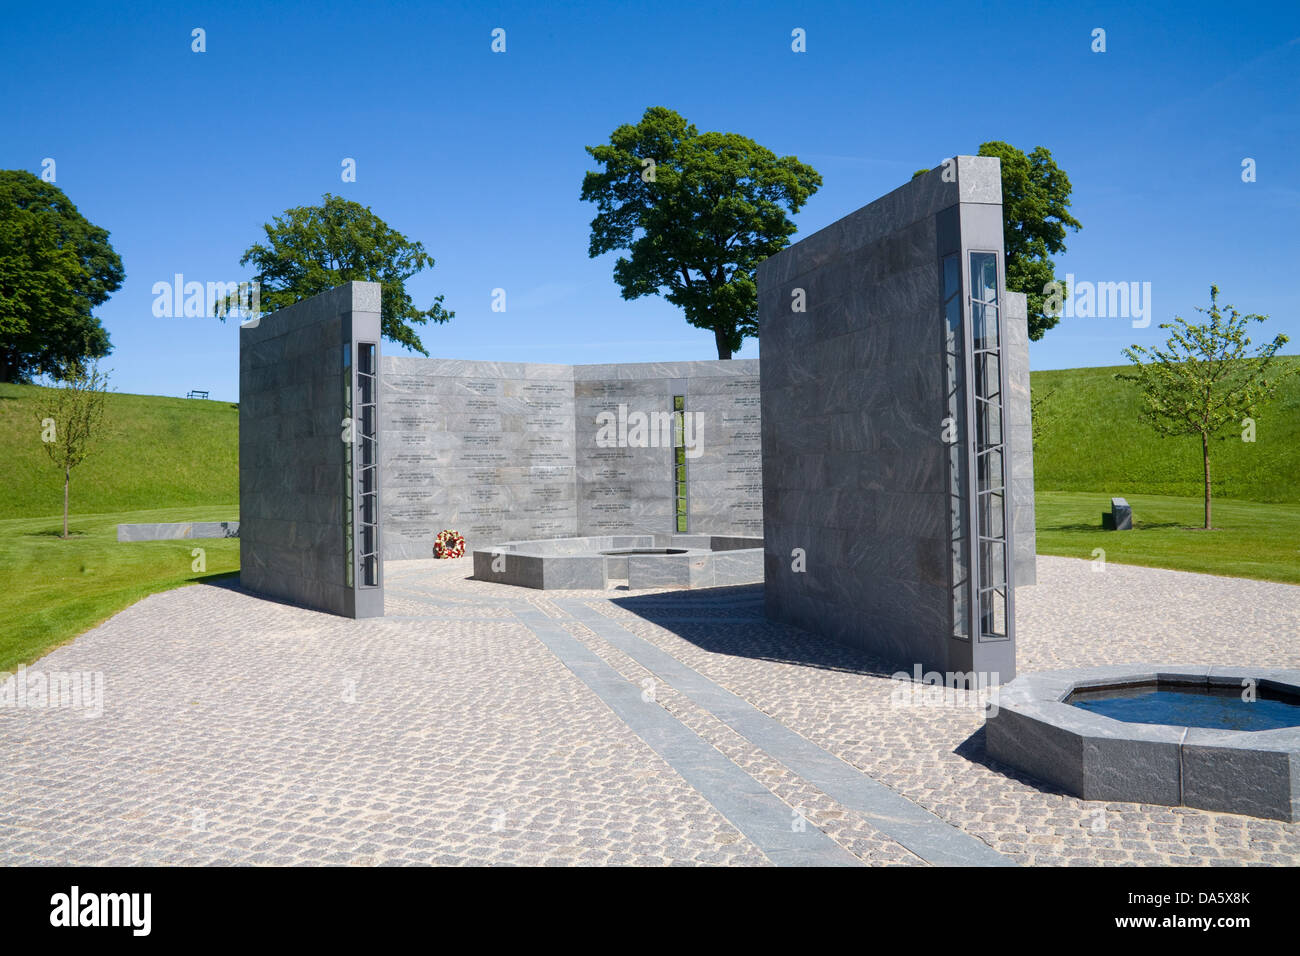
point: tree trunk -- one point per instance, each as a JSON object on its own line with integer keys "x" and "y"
{"x": 8, "y": 367}
{"x": 67, "y": 478}
{"x": 723, "y": 351}
{"x": 1205, "y": 455}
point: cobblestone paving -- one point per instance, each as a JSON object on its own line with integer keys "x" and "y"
{"x": 237, "y": 730}
{"x": 242, "y": 731}
{"x": 932, "y": 751}
{"x": 807, "y": 803}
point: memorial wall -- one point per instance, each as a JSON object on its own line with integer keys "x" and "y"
{"x": 898, "y": 470}
{"x": 307, "y": 498}
{"x": 504, "y": 451}
{"x": 631, "y": 421}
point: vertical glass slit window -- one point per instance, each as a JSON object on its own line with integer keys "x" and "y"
{"x": 348, "y": 552}
{"x": 990, "y": 465}
{"x": 367, "y": 467}
{"x": 681, "y": 515}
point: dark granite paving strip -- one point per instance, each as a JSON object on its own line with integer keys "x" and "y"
{"x": 916, "y": 828}
{"x": 753, "y": 809}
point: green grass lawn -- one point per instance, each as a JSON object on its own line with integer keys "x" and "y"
{"x": 159, "y": 452}
{"x": 1094, "y": 441}
{"x": 1251, "y": 539}
{"x": 53, "y": 589}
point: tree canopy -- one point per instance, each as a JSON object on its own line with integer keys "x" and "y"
{"x": 310, "y": 249}
{"x": 696, "y": 213}
{"x": 55, "y": 268}
{"x": 1035, "y": 213}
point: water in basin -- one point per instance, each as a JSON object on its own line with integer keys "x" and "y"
{"x": 645, "y": 551}
{"x": 1183, "y": 705}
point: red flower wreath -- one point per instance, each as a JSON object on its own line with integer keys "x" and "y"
{"x": 449, "y": 544}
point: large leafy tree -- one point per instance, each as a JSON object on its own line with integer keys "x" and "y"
{"x": 1204, "y": 381}
{"x": 1036, "y": 213}
{"x": 310, "y": 249}
{"x": 696, "y": 213}
{"x": 55, "y": 267}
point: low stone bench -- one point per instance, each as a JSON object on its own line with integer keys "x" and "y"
{"x": 1119, "y": 518}
{"x": 176, "y": 531}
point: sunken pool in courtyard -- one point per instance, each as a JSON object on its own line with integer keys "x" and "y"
{"x": 1205, "y": 705}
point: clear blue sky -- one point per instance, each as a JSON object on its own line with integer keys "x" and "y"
{"x": 182, "y": 156}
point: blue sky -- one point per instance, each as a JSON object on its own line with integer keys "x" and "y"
{"x": 183, "y": 156}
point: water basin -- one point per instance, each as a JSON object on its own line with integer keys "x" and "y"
{"x": 1211, "y": 706}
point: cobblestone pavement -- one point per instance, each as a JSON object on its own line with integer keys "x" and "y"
{"x": 239, "y": 730}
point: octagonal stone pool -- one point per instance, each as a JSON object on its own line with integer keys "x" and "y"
{"x": 1214, "y": 738}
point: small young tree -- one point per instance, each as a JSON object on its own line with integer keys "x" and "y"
{"x": 72, "y": 416}
{"x": 1203, "y": 381}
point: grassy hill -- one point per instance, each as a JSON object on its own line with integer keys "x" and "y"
{"x": 1093, "y": 441}
{"x": 161, "y": 453}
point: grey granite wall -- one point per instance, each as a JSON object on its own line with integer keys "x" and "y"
{"x": 856, "y": 500}
{"x": 1021, "y": 439}
{"x": 630, "y": 487}
{"x": 485, "y": 448}
{"x": 508, "y": 451}
{"x": 292, "y": 453}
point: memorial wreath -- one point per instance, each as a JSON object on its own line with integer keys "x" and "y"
{"x": 449, "y": 544}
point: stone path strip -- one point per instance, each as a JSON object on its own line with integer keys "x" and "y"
{"x": 750, "y": 806}
{"x": 917, "y": 829}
